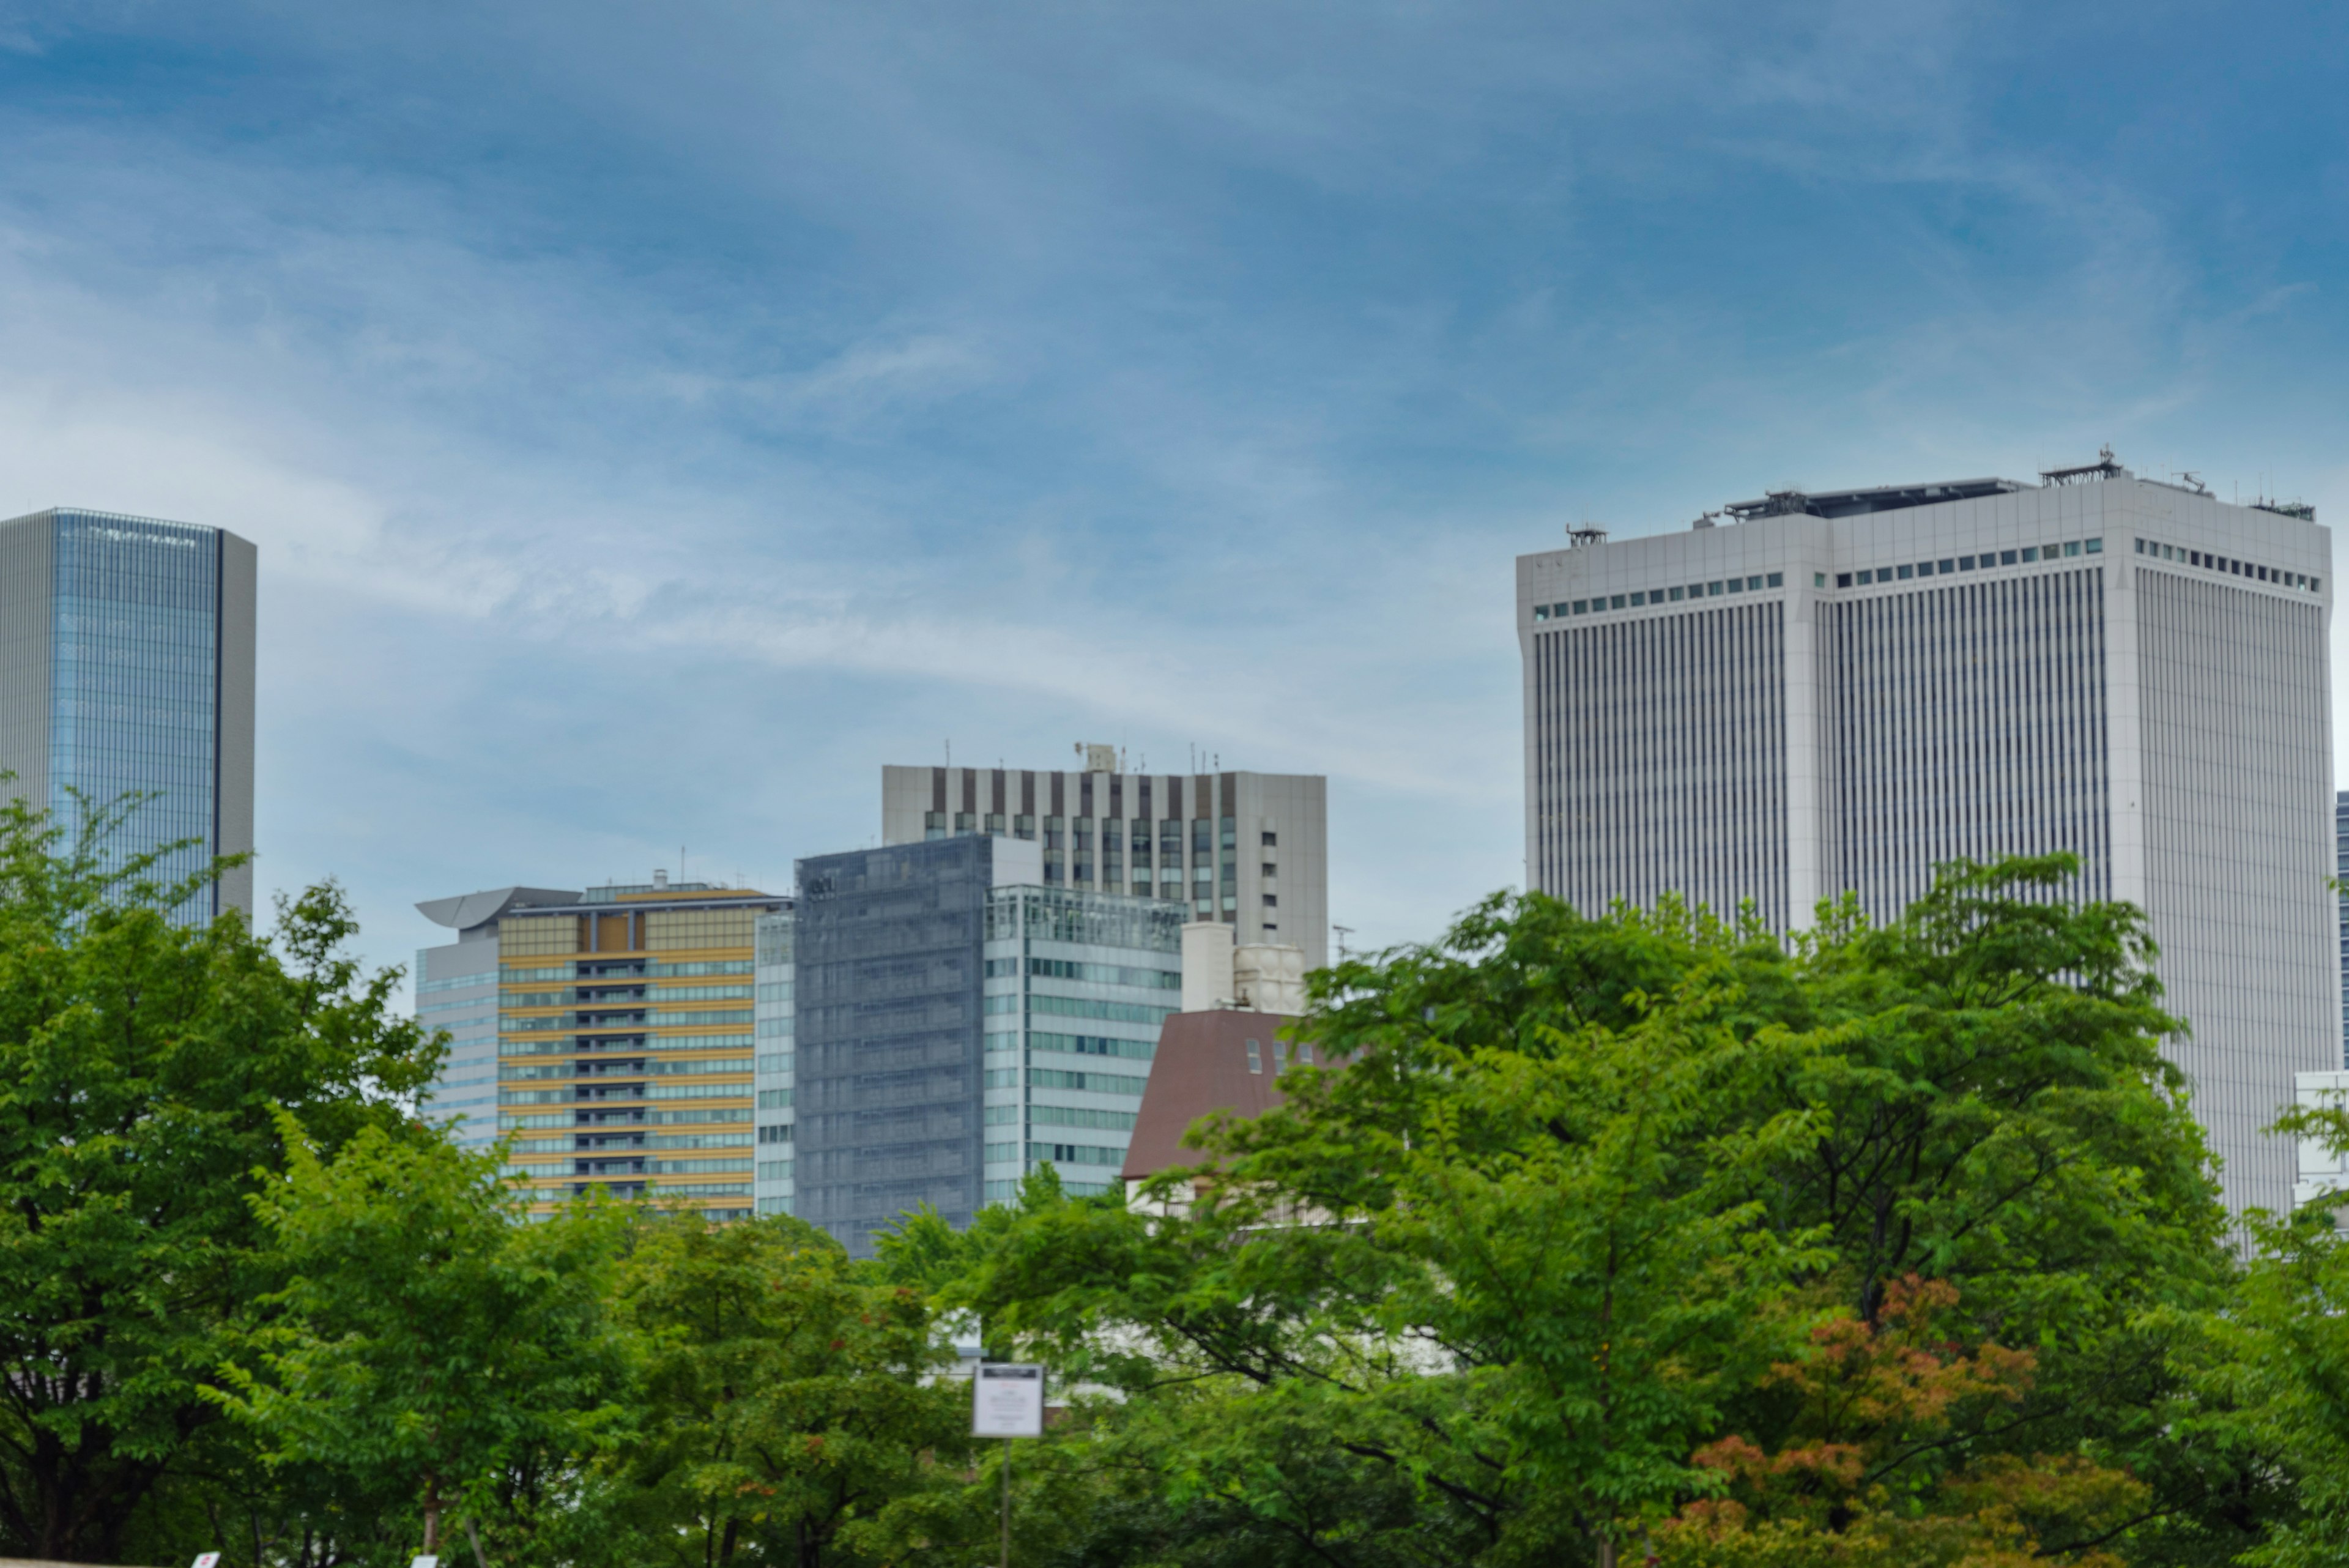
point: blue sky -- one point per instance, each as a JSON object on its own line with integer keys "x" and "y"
{"x": 654, "y": 419}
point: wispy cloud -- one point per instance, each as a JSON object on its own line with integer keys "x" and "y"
{"x": 653, "y": 425}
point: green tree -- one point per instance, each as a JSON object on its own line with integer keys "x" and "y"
{"x": 2272, "y": 1366}
{"x": 791, "y": 1402}
{"x": 141, "y": 1065}
{"x": 1480, "y": 1294}
{"x": 428, "y": 1343}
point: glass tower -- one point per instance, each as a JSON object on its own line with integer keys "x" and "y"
{"x": 958, "y": 1023}
{"x": 127, "y": 667}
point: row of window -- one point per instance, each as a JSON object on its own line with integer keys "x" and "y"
{"x": 651, "y": 1068}
{"x": 627, "y": 1091}
{"x": 1101, "y": 973}
{"x": 1280, "y": 1056}
{"x": 1009, "y": 1191}
{"x": 614, "y": 995}
{"x": 1053, "y": 1078}
{"x": 1206, "y": 831}
{"x": 2027, "y": 555}
{"x": 2186, "y": 556}
{"x": 629, "y": 1165}
{"x": 1660, "y": 596}
{"x": 629, "y": 1141}
{"x": 1084, "y": 1044}
{"x": 629, "y": 968}
{"x": 1090, "y": 1007}
{"x": 655, "y": 1018}
{"x": 560, "y": 1044}
{"x": 634, "y": 1115}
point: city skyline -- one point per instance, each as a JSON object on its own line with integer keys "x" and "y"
{"x": 1163, "y": 379}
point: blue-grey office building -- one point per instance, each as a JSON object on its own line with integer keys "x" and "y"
{"x": 127, "y": 665}
{"x": 958, "y": 1023}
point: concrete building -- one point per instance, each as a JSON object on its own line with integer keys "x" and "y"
{"x": 625, "y": 1044}
{"x": 126, "y": 664}
{"x": 960, "y": 1022}
{"x": 1248, "y": 849}
{"x": 1810, "y": 693}
{"x": 457, "y": 989}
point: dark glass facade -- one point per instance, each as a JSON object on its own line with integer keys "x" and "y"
{"x": 889, "y": 970}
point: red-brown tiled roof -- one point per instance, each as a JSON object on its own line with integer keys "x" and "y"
{"x": 1202, "y": 1067}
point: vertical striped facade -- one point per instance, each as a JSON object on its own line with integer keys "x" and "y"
{"x": 1664, "y": 740}
{"x": 1965, "y": 722}
{"x": 1787, "y": 709}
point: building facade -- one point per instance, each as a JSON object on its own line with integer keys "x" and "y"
{"x": 2340, "y": 897}
{"x": 626, "y": 1045}
{"x": 1248, "y": 849}
{"x": 457, "y": 989}
{"x": 774, "y": 1024}
{"x": 127, "y": 665}
{"x": 959, "y": 1022}
{"x": 1840, "y": 691}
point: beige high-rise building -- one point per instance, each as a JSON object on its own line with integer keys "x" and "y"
{"x": 1248, "y": 849}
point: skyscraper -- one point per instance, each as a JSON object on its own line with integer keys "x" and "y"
{"x": 127, "y": 664}
{"x": 1248, "y": 849}
{"x": 1810, "y": 693}
{"x": 960, "y": 1022}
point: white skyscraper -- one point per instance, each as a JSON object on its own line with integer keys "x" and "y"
{"x": 1811, "y": 693}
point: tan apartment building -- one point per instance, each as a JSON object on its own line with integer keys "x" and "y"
{"x": 626, "y": 1044}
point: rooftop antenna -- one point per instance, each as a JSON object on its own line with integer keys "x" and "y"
{"x": 1343, "y": 932}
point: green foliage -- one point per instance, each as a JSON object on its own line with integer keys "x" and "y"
{"x": 787, "y": 1412}
{"x": 428, "y": 1347}
{"x": 1629, "y": 1233}
{"x": 1482, "y": 1293}
{"x": 2272, "y": 1367}
{"x": 141, "y": 1067}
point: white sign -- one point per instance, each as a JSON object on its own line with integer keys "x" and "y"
{"x": 425, "y": 1563}
{"x": 1008, "y": 1402}
{"x": 208, "y": 1560}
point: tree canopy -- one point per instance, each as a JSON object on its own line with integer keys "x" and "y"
{"x": 1642, "y": 1235}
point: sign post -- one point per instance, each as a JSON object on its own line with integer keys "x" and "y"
{"x": 1006, "y": 1401}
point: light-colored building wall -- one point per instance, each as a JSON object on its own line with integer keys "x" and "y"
{"x": 776, "y": 1078}
{"x": 1076, "y": 985}
{"x": 1794, "y": 705}
{"x": 1246, "y": 848}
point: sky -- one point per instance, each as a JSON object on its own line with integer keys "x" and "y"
{"x": 653, "y": 419}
